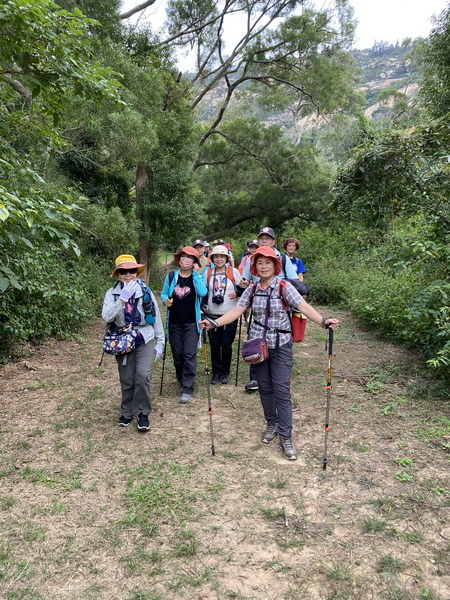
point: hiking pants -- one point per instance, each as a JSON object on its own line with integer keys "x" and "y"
{"x": 183, "y": 338}
{"x": 221, "y": 342}
{"x": 274, "y": 380}
{"x": 135, "y": 377}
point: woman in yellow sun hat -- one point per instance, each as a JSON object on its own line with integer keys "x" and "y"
{"x": 130, "y": 301}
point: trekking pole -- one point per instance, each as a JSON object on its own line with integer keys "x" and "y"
{"x": 163, "y": 365}
{"x": 238, "y": 350}
{"x": 208, "y": 388}
{"x": 164, "y": 354}
{"x": 327, "y": 414}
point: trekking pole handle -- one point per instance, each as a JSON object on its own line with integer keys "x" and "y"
{"x": 330, "y": 341}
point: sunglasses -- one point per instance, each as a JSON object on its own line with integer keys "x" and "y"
{"x": 125, "y": 271}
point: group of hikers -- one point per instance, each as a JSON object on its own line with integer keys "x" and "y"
{"x": 206, "y": 291}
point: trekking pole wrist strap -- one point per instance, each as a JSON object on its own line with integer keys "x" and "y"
{"x": 213, "y": 322}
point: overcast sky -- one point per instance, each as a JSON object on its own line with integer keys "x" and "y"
{"x": 378, "y": 20}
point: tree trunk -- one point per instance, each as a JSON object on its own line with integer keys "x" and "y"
{"x": 142, "y": 176}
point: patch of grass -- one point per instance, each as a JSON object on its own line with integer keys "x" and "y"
{"x": 373, "y": 525}
{"x": 193, "y": 578}
{"x": 62, "y": 481}
{"x": 228, "y": 454}
{"x": 397, "y": 594}
{"x": 366, "y": 483}
{"x": 390, "y": 565}
{"x": 273, "y": 514}
{"x": 135, "y": 562}
{"x": 138, "y": 595}
{"x": 67, "y": 424}
{"x": 7, "y": 502}
{"x": 338, "y": 574}
{"x": 33, "y": 532}
{"x": 277, "y": 484}
{"x": 357, "y": 445}
{"x": 403, "y": 476}
{"x": 186, "y": 544}
{"x": 403, "y": 462}
{"x": 96, "y": 392}
{"x": 427, "y": 594}
{"x": 24, "y": 594}
{"x": 161, "y": 493}
{"x": 434, "y": 427}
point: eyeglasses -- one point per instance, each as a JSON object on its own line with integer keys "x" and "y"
{"x": 125, "y": 271}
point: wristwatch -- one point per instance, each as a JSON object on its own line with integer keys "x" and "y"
{"x": 323, "y": 322}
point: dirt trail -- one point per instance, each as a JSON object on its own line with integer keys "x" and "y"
{"x": 89, "y": 510}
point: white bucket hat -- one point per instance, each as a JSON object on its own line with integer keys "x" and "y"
{"x": 219, "y": 250}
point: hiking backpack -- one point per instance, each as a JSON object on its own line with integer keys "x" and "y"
{"x": 147, "y": 302}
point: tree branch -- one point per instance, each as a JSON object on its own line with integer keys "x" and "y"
{"x": 136, "y": 9}
{"x": 19, "y": 87}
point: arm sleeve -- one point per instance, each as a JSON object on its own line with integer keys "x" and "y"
{"x": 199, "y": 285}
{"x": 246, "y": 272}
{"x": 300, "y": 266}
{"x": 166, "y": 288}
{"x": 157, "y": 325}
{"x": 111, "y": 308}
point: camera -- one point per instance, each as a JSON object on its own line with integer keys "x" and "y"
{"x": 217, "y": 299}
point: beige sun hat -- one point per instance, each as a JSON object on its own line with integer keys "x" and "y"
{"x": 222, "y": 250}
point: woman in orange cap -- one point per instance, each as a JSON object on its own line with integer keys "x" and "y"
{"x": 130, "y": 301}
{"x": 182, "y": 293}
{"x": 273, "y": 374}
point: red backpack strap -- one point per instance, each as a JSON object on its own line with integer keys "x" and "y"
{"x": 229, "y": 273}
{"x": 282, "y": 296}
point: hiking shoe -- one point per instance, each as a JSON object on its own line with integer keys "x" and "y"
{"x": 225, "y": 378}
{"x": 185, "y": 398}
{"x": 270, "y": 433}
{"x": 143, "y": 422}
{"x": 252, "y": 386}
{"x": 124, "y": 421}
{"x": 288, "y": 448}
{"x": 215, "y": 379}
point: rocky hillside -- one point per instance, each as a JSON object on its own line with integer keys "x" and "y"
{"x": 384, "y": 66}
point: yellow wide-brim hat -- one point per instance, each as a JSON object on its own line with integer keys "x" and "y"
{"x": 127, "y": 261}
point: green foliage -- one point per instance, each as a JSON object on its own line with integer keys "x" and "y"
{"x": 255, "y": 176}
{"x": 395, "y": 283}
{"x": 435, "y": 85}
{"x": 29, "y": 29}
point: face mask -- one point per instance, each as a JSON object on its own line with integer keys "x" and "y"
{"x": 186, "y": 263}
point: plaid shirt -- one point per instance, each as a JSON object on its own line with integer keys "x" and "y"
{"x": 278, "y": 317}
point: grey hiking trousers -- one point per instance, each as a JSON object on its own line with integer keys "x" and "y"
{"x": 274, "y": 382}
{"x": 135, "y": 377}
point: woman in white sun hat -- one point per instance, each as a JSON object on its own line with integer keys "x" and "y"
{"x": 222, "y": 282}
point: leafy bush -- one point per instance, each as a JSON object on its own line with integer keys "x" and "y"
{"x": 395, "y": 284}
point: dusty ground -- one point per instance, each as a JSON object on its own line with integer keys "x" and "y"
{"x": 89, "y": 510}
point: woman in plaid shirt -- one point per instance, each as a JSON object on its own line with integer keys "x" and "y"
{"x": 273, "y": 374}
